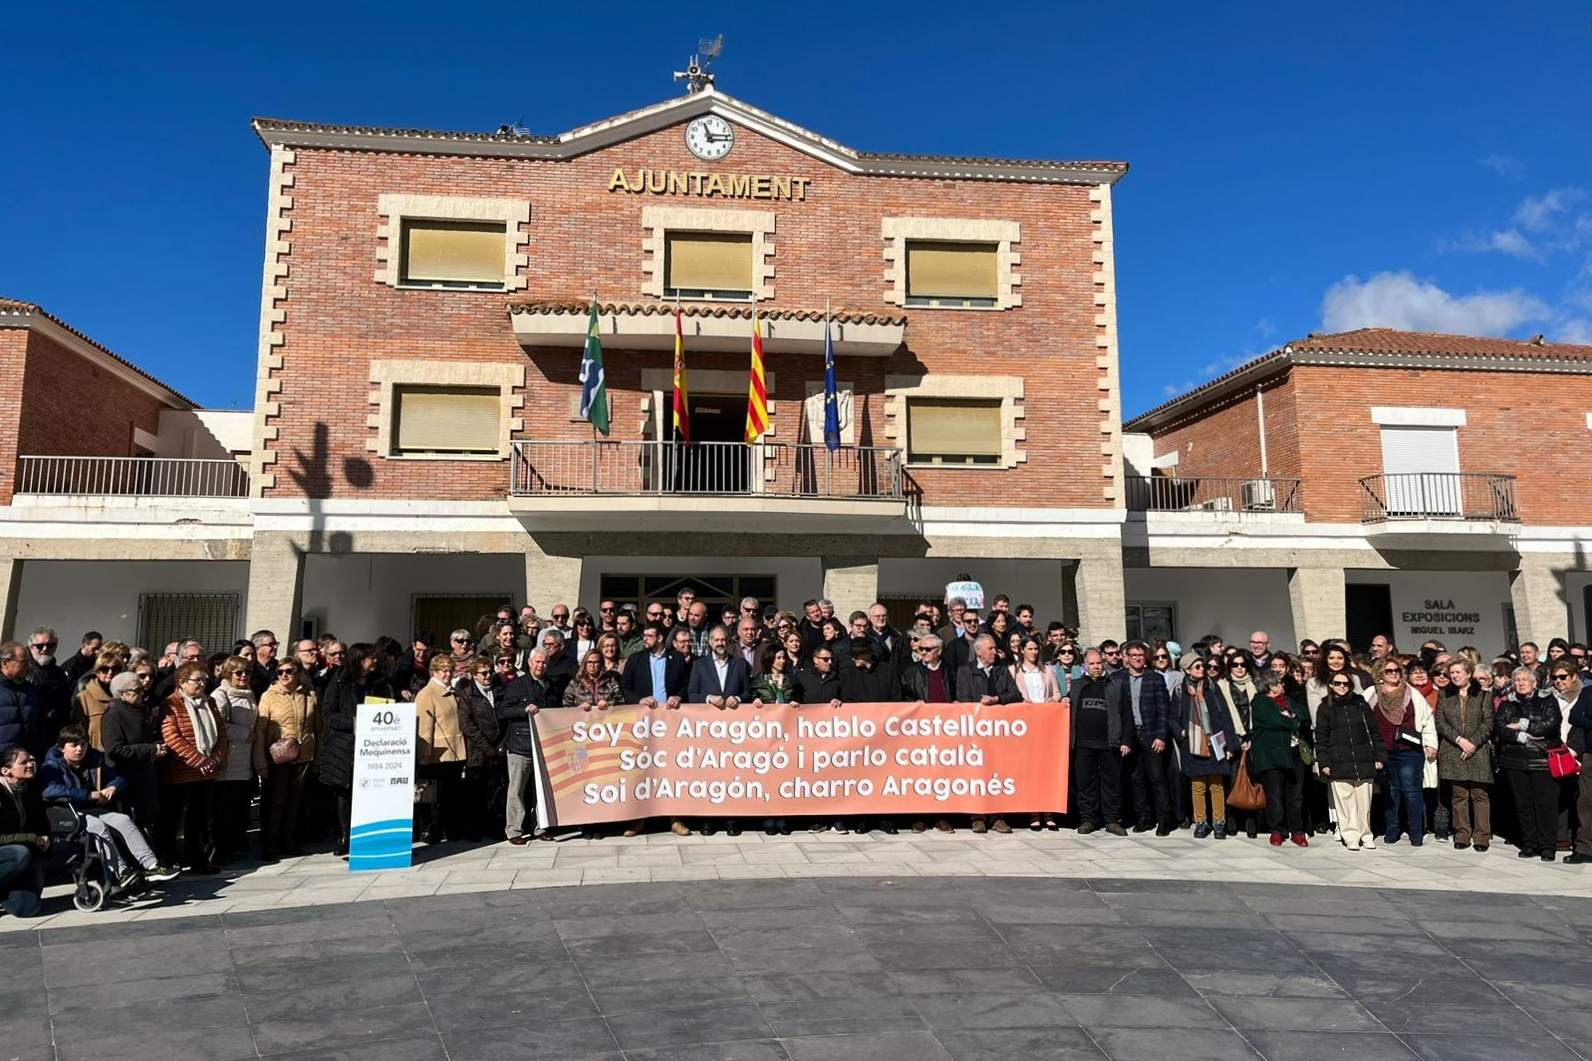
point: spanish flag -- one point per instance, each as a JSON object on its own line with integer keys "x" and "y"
{"x": 757, "y": 390}
{"x": 682, "y": 400}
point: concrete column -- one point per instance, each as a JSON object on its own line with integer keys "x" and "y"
{"x": 10, "y": 590}
{"x": 852, "y": 582}
{"x": 276, "y": 587}
{"x": 551, "y": 579}
{"x": 1319, "y": 602}
{"x": 1537, "y": 592}
{"x": 1102, "y": 599}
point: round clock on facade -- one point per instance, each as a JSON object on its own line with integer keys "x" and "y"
{"x": 709, "y": 137}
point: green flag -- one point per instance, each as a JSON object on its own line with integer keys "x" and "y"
{"x": 593, "y": 388}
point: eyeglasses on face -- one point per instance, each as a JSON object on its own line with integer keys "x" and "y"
{"x": 1340, "y": 685}
{"x": 1561, "y": 677}
{"x": 1392, "y": 670}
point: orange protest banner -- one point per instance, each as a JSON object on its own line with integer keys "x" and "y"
{"x": 631, "y": 762}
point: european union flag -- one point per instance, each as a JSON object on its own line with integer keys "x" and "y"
{"x": 831, "y": 394}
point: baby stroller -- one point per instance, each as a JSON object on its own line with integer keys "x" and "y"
{"x": 91, "y": 866}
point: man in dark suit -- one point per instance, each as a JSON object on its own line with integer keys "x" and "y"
{"x": 985, "y": 681}
{"x": 655, "y": 677}
{"x": 1146, "y": 766}
{"x": 719, "y": 678}
{"x": 516, "y": 703}
{"x": 959, "y": 647}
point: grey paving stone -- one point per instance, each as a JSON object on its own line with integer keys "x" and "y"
{"x": 1476, "y": 1048}
{"x": 807, "y": 985}
{"x": 1263, "y": 984}
{"x": 745, "y": 1050}
{"x": 1022, "y": 1044}
{"x": 391, "y": 989}
{"x": 614, "y": 999}
{"x": 1317, "y": 1046}
{"x": 566, "y": 1040}
{"x": 1107, "y": 944}
{"x": 960, "y": 1012}
{"x": 427, "y": 1047}
{"x": 137, "y": 990}
{"x": 227, "y": 1043}
{"x": 280, "y": 955}
{"x": 466, "y": 1010}
{"x": 672, "y": 941}
{"x": 1094, "y": 978}
{"x": 637, "y": 970}
{"x": 1164, "y": 1044}
{"x": 295, "y": 976}
{"x": 1140, "y": 1011}
{"x": 147, "y": 1020}
{"x": 1296, "y": 1014}
{"x": 869, "y": 1012}
{"x": 22, "y": 1032}
{"x": 349, "y": 1028}
{"x": 909, "y": 957}
{"x": 874, "y": 1046}
{"x": 959, "y": 981}
{"x": 686, "y": 1025}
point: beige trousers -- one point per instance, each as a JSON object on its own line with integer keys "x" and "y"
{"x": 1352, "y": 800}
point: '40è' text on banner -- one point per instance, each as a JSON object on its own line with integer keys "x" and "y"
{"x": 873, "y": 759}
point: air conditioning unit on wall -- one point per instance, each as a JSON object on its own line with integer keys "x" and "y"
{"x": 1259, "y": 496}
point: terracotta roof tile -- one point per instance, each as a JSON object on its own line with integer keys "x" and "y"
{"x": 16, "y": 307}
{"x": 288, "y": 125}
{"x": 568, "y": 306}
{"x": 1392, "y": 341}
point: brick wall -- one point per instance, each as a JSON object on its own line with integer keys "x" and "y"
{"x": 1319, "y": 428}
{"x": 1224, "y": 439}
{"x": 66, "y": 406}
{"x": 585, "y": 238}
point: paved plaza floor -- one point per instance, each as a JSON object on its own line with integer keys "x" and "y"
{"x": 821, "y": 948}
{"x": 895, "y": 968}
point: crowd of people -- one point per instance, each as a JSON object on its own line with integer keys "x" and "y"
{"x": 172, "y": 760}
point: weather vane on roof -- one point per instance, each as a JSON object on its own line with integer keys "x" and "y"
{"x": 696, "y": 75}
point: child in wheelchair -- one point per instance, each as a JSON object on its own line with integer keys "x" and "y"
{"x": 81, "y": 791}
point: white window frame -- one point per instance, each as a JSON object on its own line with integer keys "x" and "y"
{"x": 396, "y": 209}
{"x": 385, "y": 376}
{"x": 898, "y": 231}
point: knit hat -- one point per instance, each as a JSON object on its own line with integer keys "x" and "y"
{"x": 1188, "y": 659}
{"x": 1174, "y": 649}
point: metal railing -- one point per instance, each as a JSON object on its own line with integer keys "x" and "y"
{"x": 770, "y": 469}
{"x": 1438, "y": 495}
{"x": 1203, "y": 493}
{"x": 132, "y": 476}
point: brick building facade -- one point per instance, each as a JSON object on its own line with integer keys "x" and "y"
{"x": 1402, "y": 472}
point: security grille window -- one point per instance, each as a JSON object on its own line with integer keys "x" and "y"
{"x": 439, "y": 614}
{"x": 716, "y": 265}
{"x": 1147, "y": 622}
{"x": 944, "y": 431}
{"x": 446, "y": 420}
{"x": 209, "y": 618}
{"x": 465, "y": 254}
{"x": 951, "y": 274}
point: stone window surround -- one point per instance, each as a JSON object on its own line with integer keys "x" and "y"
{"x": 898, "y": 230}
{"x": 387, "y": 374}
{"x": 396, "y": 209}
{"x": 657, "y": 221}
{"x": 1009, "y": 389}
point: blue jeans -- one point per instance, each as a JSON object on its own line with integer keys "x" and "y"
{"x": 21, "y": 880}
{"x": 1404, "y": 770}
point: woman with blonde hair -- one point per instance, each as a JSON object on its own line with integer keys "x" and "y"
{"x": 1409, "y": 739}
{"x": 196, "y": 739}
{"x": 235, "y": 704}
{"x": 442, "y": 752}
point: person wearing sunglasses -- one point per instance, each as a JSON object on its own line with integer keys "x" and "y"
{"x": 1569, "y": 683}
{"x": 1207, "y": 744}
{"x": 1564, "y": 683}
{"x": 1349, "y": 751}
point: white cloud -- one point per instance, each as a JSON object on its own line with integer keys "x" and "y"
{"x": 1508, "y": 241}
{"x": 1574, "y": 330}
{"x": 1399, "y": 300}
{"x": 1505, "y": 166}
{"x": 1537, "y": 213}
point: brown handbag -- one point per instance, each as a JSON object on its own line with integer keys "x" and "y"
{"x": 1244, "y": 794}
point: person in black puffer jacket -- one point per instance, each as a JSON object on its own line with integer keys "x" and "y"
{"x": 1525, "y": 726}
{"x": 1349, "y": 751}
{"x": 354, "y": 682}
{"x": 20, "y": 721}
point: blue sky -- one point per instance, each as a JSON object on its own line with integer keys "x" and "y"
{"x": 1295, "y": 168}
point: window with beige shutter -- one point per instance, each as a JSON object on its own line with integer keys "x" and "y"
{"x": 950, "y": 431}
{"x": 708, "y": 265}
{"x": 943, "y": 273}
{"x": 447, "y": 420}
{"x": 453, "y": 253}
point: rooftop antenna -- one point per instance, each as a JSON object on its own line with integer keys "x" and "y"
{"x": 696, "y": 75}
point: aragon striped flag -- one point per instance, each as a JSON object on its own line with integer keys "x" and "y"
{"x": 593, "y": 387}
{"x": 682, "y": 398}
{"x": 757, "y": 390}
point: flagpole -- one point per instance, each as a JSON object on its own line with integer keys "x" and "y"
{"x": 589, "y": 420}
